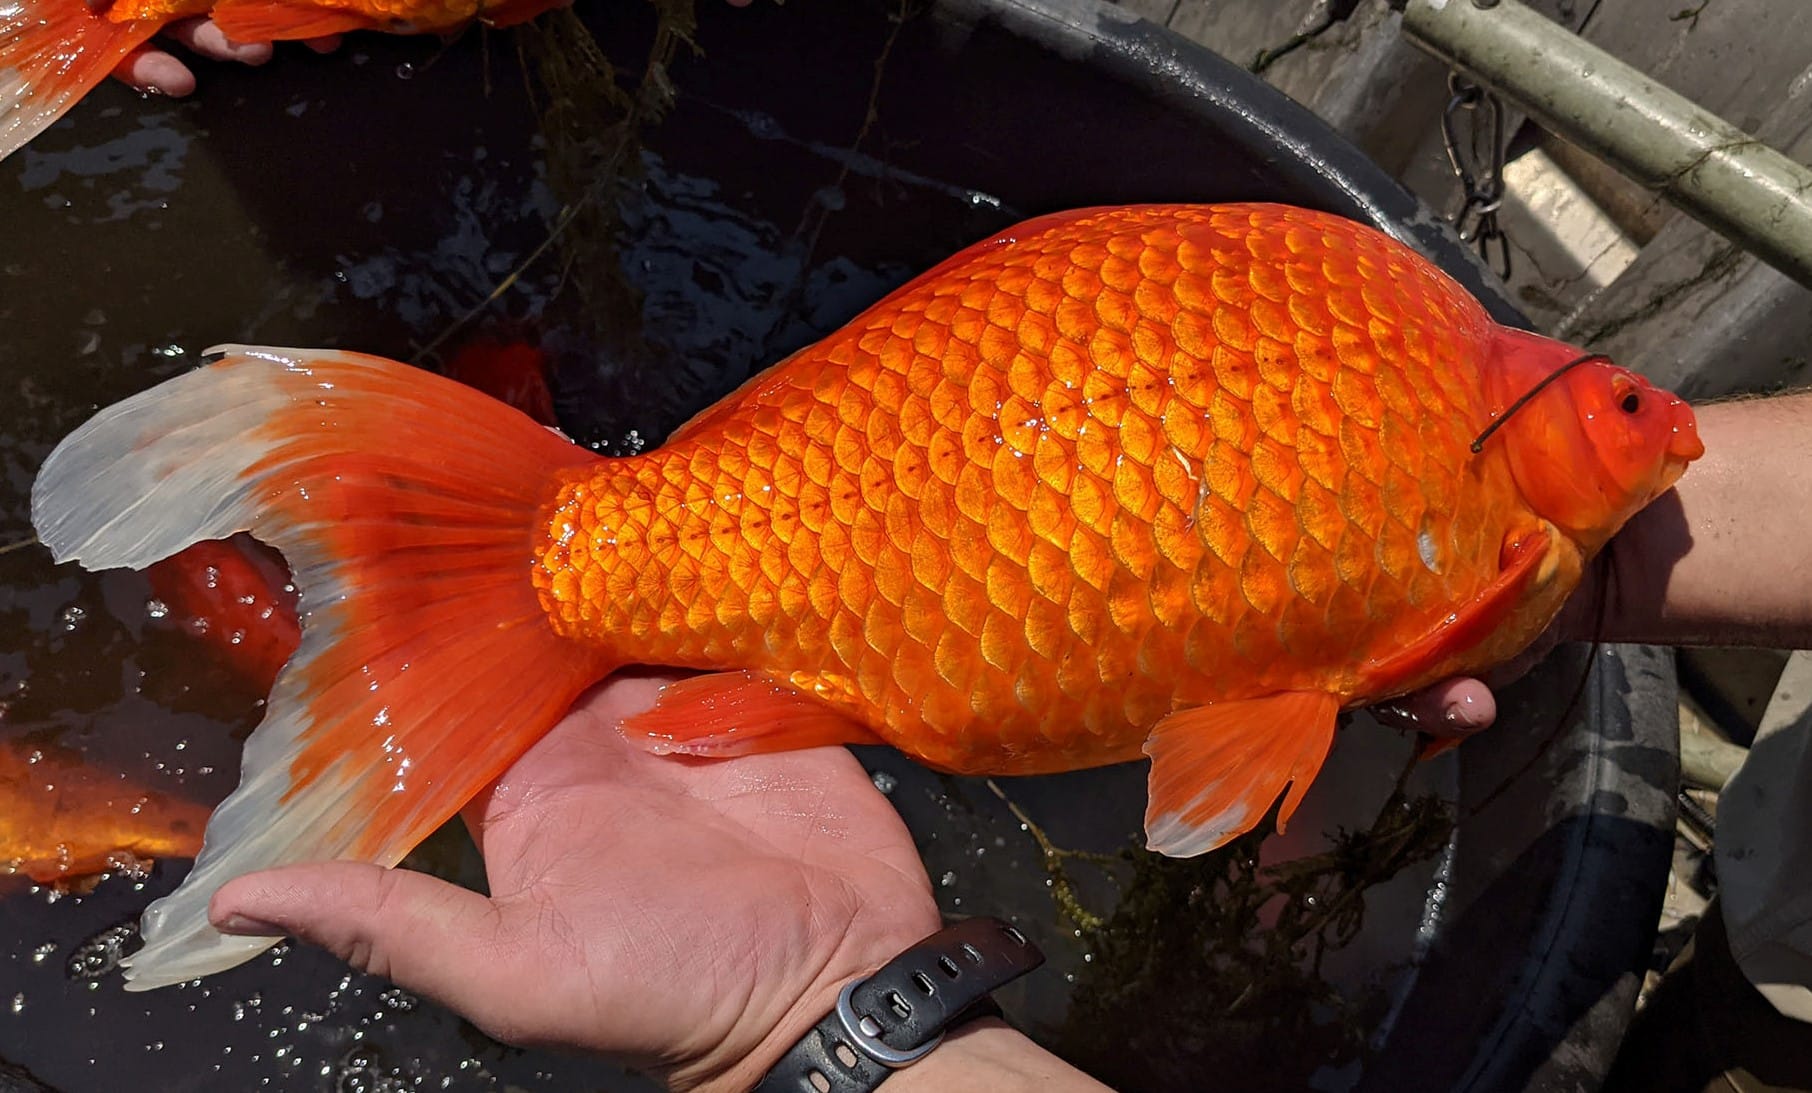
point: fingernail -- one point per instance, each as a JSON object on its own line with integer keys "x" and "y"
{"x": 1461, "y": 714}
{"x": 245, "y": 924}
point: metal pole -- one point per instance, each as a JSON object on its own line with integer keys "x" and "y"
{"x": 1717, "y": 173}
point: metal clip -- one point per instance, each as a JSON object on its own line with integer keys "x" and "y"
{"x": 1478, "y": 163}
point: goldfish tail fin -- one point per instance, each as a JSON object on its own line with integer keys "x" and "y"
{"x": 52, "y": 52}
{"x": 405, "y": 504}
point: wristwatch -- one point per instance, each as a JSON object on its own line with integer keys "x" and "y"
{"x": 898, "y": 1014}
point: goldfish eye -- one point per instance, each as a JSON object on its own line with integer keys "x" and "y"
{"x": 1630, "y": 403}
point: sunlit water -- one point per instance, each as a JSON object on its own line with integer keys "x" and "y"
{"x": 281, "y": 207}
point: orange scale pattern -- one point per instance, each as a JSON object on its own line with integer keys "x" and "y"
{"x": 1067, "y": 482}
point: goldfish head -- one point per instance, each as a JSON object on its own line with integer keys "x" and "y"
{"x": 1594, "y": 443}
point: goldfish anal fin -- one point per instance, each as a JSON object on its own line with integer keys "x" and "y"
{"x": 405, "y": 504}
{"x": 272, "y": 21}
{"x": 1471, "y": 623}
{"x": 742, "y": 713}
{"x": 1215, "y": 770}
{"x": 52, "y": 52}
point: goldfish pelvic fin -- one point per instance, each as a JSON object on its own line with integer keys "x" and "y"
{"x": 52, "y": 52}
{"x": 272, "y": 21}
{"x": 1215, "y": 770}
{"x": 1521, "y": 562}
{"x": 742, "y": 713}
{"x": 1427, "y": 747}
{"x": 404, "y": 503}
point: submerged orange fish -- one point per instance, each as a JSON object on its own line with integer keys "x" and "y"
{"x": 53, "y": 52}
{"x": 62, "y": 820}
{"x": 1173, "y": 481}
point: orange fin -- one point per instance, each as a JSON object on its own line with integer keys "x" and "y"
{"x": 246, "y": 21}
{"x": 1470, "y": 624}
{"x": 403, "y": 502}
{"x": 741, "y": 713}
{"x": 52, "y": 52}
{"x": 1215, "y": 770}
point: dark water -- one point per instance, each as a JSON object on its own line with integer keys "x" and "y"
{"x": 368, "y": 200}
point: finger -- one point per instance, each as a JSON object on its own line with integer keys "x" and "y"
{"x": 207, "y": 39}
{"x": 150, "y": 69}
{"x": 1451, "y": 709}
{"x": 415, "y": 930}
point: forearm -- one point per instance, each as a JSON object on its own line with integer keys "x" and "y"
{"x": 1723, "y": 559}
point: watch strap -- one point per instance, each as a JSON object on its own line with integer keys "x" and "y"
{"x": 900, "y": 1012}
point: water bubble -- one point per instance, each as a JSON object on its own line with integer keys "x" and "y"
{"x": 405, "y": 71}
{"x": 43, "y": 952}
{"x": 170, "y": 349}
{"x": 884, "y": 781}
{"x": 947, "y": 880}
{"x": 156, "y": 609}
{"x": 87, "y": 342}
{"x": 72, "y": 617}
{"x": 397, "y": 1000}
{"x": 19, "y": 1002}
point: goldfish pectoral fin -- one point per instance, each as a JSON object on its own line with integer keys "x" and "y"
{"x": 404, "y": 503}
{"x": 742, "y": 713}
{"x": 1523, "y": 557}
{"x": 1215, "y": 770}
{"x": 247, "y": 21}
{"x": 52, "y": 52}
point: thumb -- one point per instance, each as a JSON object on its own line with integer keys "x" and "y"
{"x": 413, "y": 929}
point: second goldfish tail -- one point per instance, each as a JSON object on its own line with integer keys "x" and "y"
{"x": 405, "y": 504}
{"x": 52, "y": 52}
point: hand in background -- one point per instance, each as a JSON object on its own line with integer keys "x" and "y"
{"x": 149, "y": 68}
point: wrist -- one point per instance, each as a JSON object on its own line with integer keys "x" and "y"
{"x": 896, "y": 1014}
{"x": 989, "y": 1056}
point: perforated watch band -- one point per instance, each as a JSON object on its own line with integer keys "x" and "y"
{"x": 897, "y": 1015}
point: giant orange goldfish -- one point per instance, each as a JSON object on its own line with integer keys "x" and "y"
{"x": 53, "y": 52}
{"x": 1174, "y": 481}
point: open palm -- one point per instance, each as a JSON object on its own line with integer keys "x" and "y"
{"x": 693, "y": 917}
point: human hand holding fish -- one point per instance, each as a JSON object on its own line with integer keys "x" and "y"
{"x": 53, "y": 52}
{"x": 699, "y": 940}
{"x": 160, "y": 72}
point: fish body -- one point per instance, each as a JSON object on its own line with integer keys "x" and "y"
{"x": 1173, "y": 481}
{"x": 1109, "y": 466}
{"x": 53, "y": 52}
